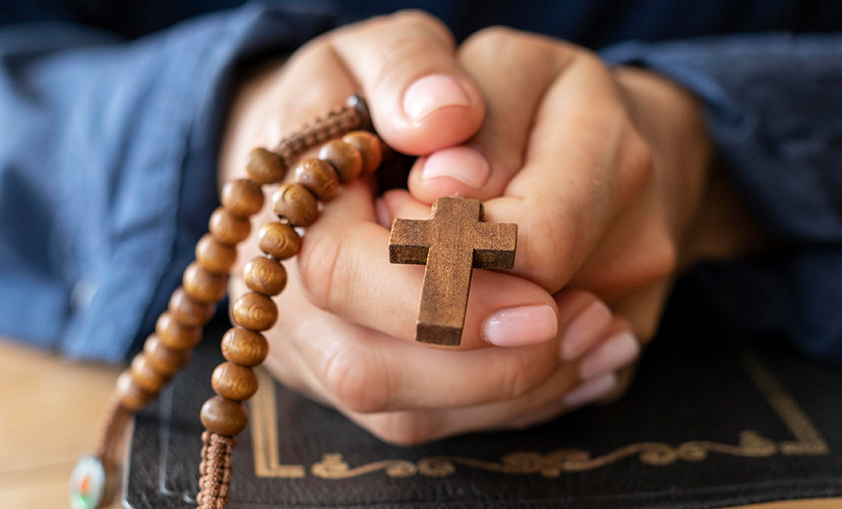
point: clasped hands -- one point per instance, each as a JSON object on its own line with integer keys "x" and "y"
{"x": 603, "y": 169}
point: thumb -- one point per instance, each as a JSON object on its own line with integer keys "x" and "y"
{"x": 420, "y": 98}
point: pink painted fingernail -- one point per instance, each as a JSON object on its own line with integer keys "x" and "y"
{"x": 525, "y": 325}
{"x": 460, "y": 163}
{"x": 585, "y": 330}
{"x": 617, "y": 351}
{"x": 431, "y": 93}
{"x": 590, "y": 391}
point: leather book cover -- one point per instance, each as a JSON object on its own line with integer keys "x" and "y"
{"x": 708, "y": 422}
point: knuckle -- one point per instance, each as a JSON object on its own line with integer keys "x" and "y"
{"x": 402, "y": 429}
{"x": 424, "y": 22}
{"x": 493, "y": 36}
{"x": 638, "y": 163}
{"x": 517, "y": 379}
{"x": 355, "y": 382}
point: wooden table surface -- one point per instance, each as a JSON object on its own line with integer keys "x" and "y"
{"x": 50, "y": 410}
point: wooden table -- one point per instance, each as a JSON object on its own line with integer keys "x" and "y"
{"x": 50, "y": 410}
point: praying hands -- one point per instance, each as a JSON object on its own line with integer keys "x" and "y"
{"x": 605, "y": 171}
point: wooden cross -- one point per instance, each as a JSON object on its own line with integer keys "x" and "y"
{"x": 451, "y": 245}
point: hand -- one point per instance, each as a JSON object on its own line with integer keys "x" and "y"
{"x": 603, "y": 170}
{"x": 347, "y": 318}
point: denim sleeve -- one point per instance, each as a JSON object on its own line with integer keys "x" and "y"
{"x": 107, "y": 168}
{"x": 774, "y": 111}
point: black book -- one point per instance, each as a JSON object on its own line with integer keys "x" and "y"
{"x": 708, "y": 422}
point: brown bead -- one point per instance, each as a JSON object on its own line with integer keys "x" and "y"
{"x": 318, "y": 177}
{"x": 265, "y": 276}
{"x": 234, "y": 381}
{"x": 131, "y": 396}
{"x": 244, "y": 347}
{"x": 255, "y": 312}
{"x": 343, "y": 156}
{"x": 242, "y": 198}
{"x": 279, "y": 240}
{"x": 228, "y": 229}
{"x": 164, "y": 359}
{"x": 224, "y": 416}
{"x": 202, "y": 286}
{"x": 189, "y": 312}
{"x": 172, "y": 334}
{"x": 145, "y": 375}
{"x": 369, "y": 146}
{"x": 215, "y": 257}
{"x": 265, "y": 167}
{"x": 296, "y": 204}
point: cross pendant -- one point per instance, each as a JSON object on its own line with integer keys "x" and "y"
{"x": 451, "y": 245}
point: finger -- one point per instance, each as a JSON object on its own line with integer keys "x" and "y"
{"x": 583, "y": 163}
{"x": 643, "y": 309}
{"x": 513, "y": 70}
{"x": 420, "y": 99}
{"x": 344, "y": 269}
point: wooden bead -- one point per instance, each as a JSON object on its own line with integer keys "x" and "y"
{"x": 224, "y": 416}
{"x": 279, "y": 240}
{"x": 172, "y": 334}
{"x": 296, "y": 204}
{"x": 242, "y": 198}
{"x": 202, "y": 286}
{"x": 265, "y": 167}
{"x": 255, "y": 312}
{"x": 215, "y": 257}
{"x": 369, "y": 146}
{"x": 344, "y": 157}
{"x": 164, "y": 359}
{"x": 145, "y": 376}
{"x": 227, "y": 228}
{"x": 131, "y": 396}
{"x": 244, "y": 347}
{"x": 233, "y": 381}
{"x": 318, "y": 177}
{"x": 265, "y": 276}
{"x": 189, "y": 312}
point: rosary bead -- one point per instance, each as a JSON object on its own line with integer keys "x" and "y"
{"x": 343, "y": 156}
{"x": 233, "y": 381}
{"x": 145, "y": 375}
{"x": 224, "y": 416}
{"x": 202, "y": 286}
{"x": 174, "y": 335}
{"x": 189, "y": 312}
{"x": 265, "y": 167}
{"x": 164, "y": 359}
{"x": 318, "y": 177}
{"x": 265, "y": 276}
{"x": 244, "y": 347}
{"x": 369, "y": 146}
{"x": 279, "y": 240}
{"x": 255, "y": 312}
{"x": 242, "y": 198}
{"x": 296, "y": 204}
{"x": 227, "y": 228}
{"x": 131, "y": 396}
{"x": 215, "y": 257}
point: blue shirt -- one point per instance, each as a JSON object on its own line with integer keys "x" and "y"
{"x": 110, "y": 117}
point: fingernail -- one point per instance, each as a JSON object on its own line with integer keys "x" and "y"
{"x": 525, "y": 325}
{"x": 381, "y": 210}
{"x": 585, "y": 330}
{"x": 617, "y": 351}
{"x": 431, "y": 93}
{"x": 590, "y": 391}
{"x": 460, "y": 163}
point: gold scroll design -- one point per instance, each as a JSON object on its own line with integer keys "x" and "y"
{"x": 808, "y": 442}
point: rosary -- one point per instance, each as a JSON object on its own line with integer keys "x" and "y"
{"x": 451, "y": 244}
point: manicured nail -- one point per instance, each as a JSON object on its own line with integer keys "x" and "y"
{"x": 431, "y": 93}
{"x": 460, "y": 163}
{"x": 585, "y": 330}
{"x": 617, "y": 351}
{"x": 590, "y": 391}
{"x": 525, "y": 325}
